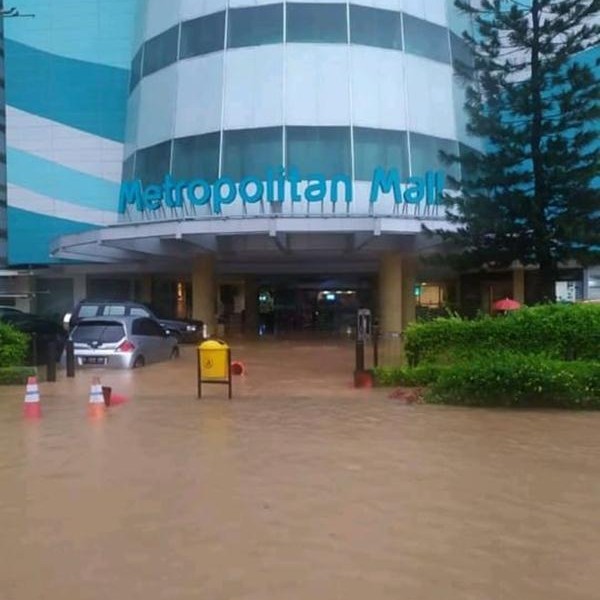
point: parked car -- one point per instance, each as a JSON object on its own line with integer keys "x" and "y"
{"x": 184, "y": 330}
{"x": 121, "y": 342}
{"x": 43, "y": 331}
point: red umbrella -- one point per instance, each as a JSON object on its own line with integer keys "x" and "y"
{"x": 506, "y": 304}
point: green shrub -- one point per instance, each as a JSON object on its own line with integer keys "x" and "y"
{"x": 15, "y": 375}
{"x": 419, "y": 376}
{"x": 560, "y": 331}
{"x": 13, "y": 346}
{"x": 518, "y": 380}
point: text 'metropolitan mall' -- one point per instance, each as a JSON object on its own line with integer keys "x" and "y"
{"x": 257, "y": 163}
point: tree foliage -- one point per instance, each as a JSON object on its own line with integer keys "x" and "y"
{"x": 529, "y": 195}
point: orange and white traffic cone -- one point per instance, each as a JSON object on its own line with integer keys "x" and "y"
{"x": 96, "y": 406}
{"x": 31, "y": 406}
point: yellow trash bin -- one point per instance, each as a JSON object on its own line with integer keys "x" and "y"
{"x": 213, "y": 359}
{"x": 214, "y": 363}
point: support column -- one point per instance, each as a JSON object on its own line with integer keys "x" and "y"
{"x": 204, "y": 291}
{"x": 390, "y": 309}
{"x": 409, "y": 302}
{"x": 250, "y": 306}
{"x": 519, "y": 284}
{"x": 79, "y": 287}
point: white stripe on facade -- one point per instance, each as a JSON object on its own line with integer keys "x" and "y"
{"x": 64, "y": 145}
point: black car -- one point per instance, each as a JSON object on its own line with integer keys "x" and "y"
{"x": 184, "y": 330}
{"x": 43, "y": 332}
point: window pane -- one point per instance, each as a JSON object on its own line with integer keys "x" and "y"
{"x": 379, "y": 148}
{"x": 375, "y": 27}
{"x": 116, "y": 310}
{"x": 104, "y": 332}
{"x": 251, "y": 152}
{"x": 255, "y": 26}
{"x": 316, "y": 23}
{"x": 136, "y": 69}
{"x": 426, "y": 39}
{"x": 152, "y": 164}
{"x": 196, "y": 157}
{"x": 425, "y": 155}
{"x": 128, "y": 165}
{"x": 461, "y": 53}
{"x": 160, "y": 51}
{"x": 203, "y": 35}
{"x": 324, "y": 150}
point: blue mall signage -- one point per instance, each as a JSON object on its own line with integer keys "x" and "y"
{"x": 276, "y": 186}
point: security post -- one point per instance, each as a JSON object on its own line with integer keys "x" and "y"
{"x": 363, "y": 334}
{"x": 214, "y": 364}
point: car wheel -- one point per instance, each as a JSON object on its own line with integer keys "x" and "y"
{"x": 140, "y": 361}
{"x": 175, "y": 353}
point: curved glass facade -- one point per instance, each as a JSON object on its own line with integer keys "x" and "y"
{"x": 298, "y": 22}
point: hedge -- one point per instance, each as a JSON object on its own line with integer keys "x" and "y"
{"x": 16, "y": 375}
{"x": 557, "y": 331}
{"x": 418, "y": 376}
{"x": 518, "y": 380}
{"x": 13, "y": 346}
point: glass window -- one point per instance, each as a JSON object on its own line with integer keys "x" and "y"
{"x": 255, "y": 25}
{"x": 88, "y": 310}
{"x": 128, "y": 167}
{"x": 251, "y": 152}
{"x": 196, "y": 157}
{"x": 116, "y": 310}
{"x": 152, "y": 164}
{"x": 203, "y": 35}
{"x": 324, "y": 150}
{"x": 138, "y": 312}
{"x": 316, "y": 23}
{"x": 425, "y": 155}
{"x": 375, "y": 27}
{"x": 426, "y": 39}
{"x": 161, "y": 51}
{"x": 103, "y": 332}
{"x": 379, "y": 148}
{"x": 136, "y": 69}
{"x": 462, "y": 56}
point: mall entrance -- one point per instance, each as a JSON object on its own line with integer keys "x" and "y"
{"x": 312, "y": 305}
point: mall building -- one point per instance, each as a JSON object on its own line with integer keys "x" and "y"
{"x": 257, "y": 164}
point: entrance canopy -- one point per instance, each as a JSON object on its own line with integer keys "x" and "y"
{"x": 249, "y": 240}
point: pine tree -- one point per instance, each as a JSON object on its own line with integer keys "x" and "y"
{"x": 530, "y": 196}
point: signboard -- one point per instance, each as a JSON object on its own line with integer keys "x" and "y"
{"x": 278, "y": 185}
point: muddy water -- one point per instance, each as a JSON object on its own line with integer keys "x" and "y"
{"x": 301, "y": 488}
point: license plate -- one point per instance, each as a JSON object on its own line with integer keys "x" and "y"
{"x": 93, "y": 360}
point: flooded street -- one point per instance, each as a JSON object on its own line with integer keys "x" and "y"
{"x": 299, "y": 488}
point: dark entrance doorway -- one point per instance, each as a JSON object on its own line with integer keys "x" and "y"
{"x": 312, "y": 305}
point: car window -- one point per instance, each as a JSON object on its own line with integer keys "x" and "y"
{"x": 147, "y": 327}
{"x": 135, "y": 311}
{"x": 88, "y": 310}
{"x": 103, "y": 332}
{"x": 114, "y": 310}
{"x": 7, "y": 310}
{"x": 154, "y": 329}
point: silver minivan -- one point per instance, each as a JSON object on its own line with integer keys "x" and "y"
{"x": 121, "y": 342}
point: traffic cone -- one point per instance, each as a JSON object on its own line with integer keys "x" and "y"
{"x": 96, "y": 406}
{"x": 31, "y": 407}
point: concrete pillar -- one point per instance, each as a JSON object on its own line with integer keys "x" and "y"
{"x": 519, "y": 284}
{"x": 79, "y": 288}
{"x": 204, "y": 291}
{"x": 251, "y": 306}
{"x": 409, "y": 302}
{"x": 390, "y": 310}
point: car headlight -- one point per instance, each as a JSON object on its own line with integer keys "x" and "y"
{"x": 190, "y": 328}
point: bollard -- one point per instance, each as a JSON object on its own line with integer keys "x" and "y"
{"x": 70, "y": 357}
{"x": 51, "y": 361}
{"x": 375, "y": 346}
{"x": 34, "y": 354}
{"x": 360, "y": 355}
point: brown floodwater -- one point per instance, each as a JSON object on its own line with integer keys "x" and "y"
{"x": 299, "y": 488}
